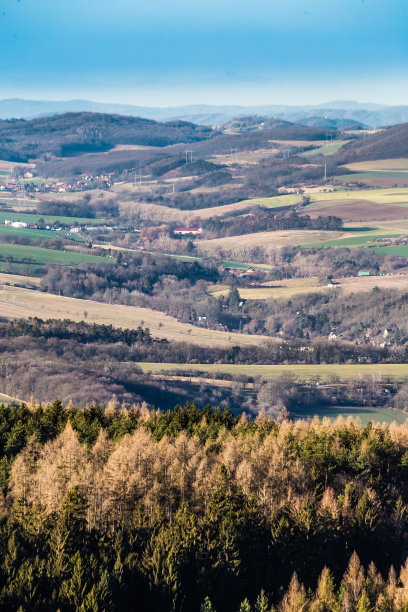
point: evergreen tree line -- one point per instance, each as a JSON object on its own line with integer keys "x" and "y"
{"x": 116, "y": 508}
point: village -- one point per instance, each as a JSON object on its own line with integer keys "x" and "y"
{"x": 85, "y": 181}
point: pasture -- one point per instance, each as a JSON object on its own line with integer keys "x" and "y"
{"x": 18, "y": 280}
{"x": 284, "y": 289}
{"x": 48, "y": 219}
{"x": 355, "y": 240}
{"x": 274, "y": 202}
{"x": 18, "y": 302}
{"x": 277, "y": 239}
{"x": 327, "y": 149}
{"x": 379, "y": 196}
{"x": 324, "y": 373}
{"x": 360, "y": 204}
{"x": 21, "y": 253}
{"x": 356, "y": 210}
{"x": 243, "y": 205}
{"x": 374, "y": 180}
{"x": 36, "y": 234}
{"x": 380, "y": 165}
{"x": 287, "y": 289}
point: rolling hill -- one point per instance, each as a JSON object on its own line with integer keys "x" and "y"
{"x": 73, "y": 134}
{"x": 391, "y": 143}
{"x": 368, "y": 114}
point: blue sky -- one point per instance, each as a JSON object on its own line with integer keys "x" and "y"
{"x": 162, "y": 53}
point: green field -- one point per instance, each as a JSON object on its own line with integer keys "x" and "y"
{"x": 379, "y": 196}
{"x": 278, "y": 290}
{"x": 364, "y": 413}
{"x": 22, "y": 269}
{"x": 34, "y": 234}
{"x": 354, "y": 176}
{"x": 48, "y": 219}
{"x": 43, "y": 256}
{"x": 402, "y": 251}
{"x": 327, "y": 149}
{"x": 354, "y": 241}
{"x": 324, "y": 372}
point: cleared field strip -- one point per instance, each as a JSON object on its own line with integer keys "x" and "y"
{"x": 287, "y": 289}
{"x": 273, "y": 239}
{"x": 326, "y": 149}
{"x": 274, "y": 202}
{"x": 301, "y": 372}
{"x": 35, "y": 234}
{"x": 16, "y": 279}
{"x": 380, "y": 165}
{"x": 379, "y": 196}
{"x": 42, "y": 256}
{"x": 218, "y": 211}
{"x": 375, "y": 180}
{"x": 16, "y": 303}
{"x": 273, "y": 290}
{"x": 48, "y": 219}
{"x": 361, "y": 240}
{"x": 350, "y": 210}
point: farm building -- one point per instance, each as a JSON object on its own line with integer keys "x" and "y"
{"x": 15, "y": 223}
{"x": 363, "y": 273}
{"x": 183, "y": 231}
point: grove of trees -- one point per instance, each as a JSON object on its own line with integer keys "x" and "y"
{"x": 116, "y": 508}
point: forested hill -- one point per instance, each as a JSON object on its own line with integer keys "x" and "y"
{"x": 197, "y": 511}
{"x": 391, "y": 143}
{"x": 76, "y": 133}
{"x": 278, "y": 128}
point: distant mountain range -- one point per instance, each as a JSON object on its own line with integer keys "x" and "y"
{"x": 338, "y": 112}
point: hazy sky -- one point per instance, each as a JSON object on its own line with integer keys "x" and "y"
{"x": 167, "y": 52}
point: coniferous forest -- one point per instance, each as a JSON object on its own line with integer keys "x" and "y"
{"x": 199, "y": 510}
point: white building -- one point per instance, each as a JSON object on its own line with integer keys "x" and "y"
{"x": 15, "y": 223}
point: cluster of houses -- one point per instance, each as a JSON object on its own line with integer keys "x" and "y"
{"x": 22, "y": 224}
{"x": 72, "y": 229}
{"x": 85, "y": 181}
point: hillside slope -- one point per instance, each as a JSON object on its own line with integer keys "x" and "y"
{"x": 73, "y": 134}
{"x": 391, "y": 143}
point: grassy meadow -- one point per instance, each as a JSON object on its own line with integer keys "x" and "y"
{"x": 48, "y": 219}
{"x": 284, "y": 289}
{"x": 18, "y": 302}
{"x": 319, "y": 372}
{"x": 379, "y": 196}
{"x": 35, "y": 234}
{"x": 39, "y": 255}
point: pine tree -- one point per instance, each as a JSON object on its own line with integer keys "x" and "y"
{"x": 354, "y": 578}
{"x": 76, "y": 586}
{"x": 233, "y": 298}
{"x": 262, "y": 603}
{"x": 364, "y": 603}
{"x": 207, "y": 606}
{"x": 295, "y": 597}
{"x": 245, "y": 606}
{"x": 325, "y": 590}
